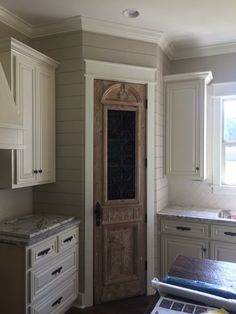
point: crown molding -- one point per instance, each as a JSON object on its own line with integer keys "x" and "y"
{"x": 120, "y": 30}
{"x": 15, "y": 22}
{"x": 204, "y": 51}
{"x": 206, "y": 76}
{"x": 97, "y": 26}
{"x": 167, "y": 47}
{"x": 64, "y": 26}
{"x": 79, "y": 23}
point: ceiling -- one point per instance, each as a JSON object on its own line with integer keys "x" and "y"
{"x": 188, "y": 24}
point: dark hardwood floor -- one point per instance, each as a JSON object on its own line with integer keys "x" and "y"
{"x": 135, "y": 305}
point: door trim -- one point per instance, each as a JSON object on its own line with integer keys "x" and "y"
{"x": 124, "y": 73}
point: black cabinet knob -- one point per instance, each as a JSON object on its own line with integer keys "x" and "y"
{"x": 40, "y": 171}
{"x": 35, "y": 171}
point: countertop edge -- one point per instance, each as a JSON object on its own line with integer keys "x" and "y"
{"x": 12, "y": 240}
{"x": 185, "y": 214}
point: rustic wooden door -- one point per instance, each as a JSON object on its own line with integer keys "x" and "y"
{"x": 119, "y": 190}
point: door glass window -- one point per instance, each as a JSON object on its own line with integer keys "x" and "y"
{"x": 121, "y": 155}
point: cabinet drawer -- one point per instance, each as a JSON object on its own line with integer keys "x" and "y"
{"x": 58, "y": 300}
{"x": 42, "y": 252}
{"x": 223, "y": 233}
{"x": 55, "y": 271}
{"x": 67, "y": 239}
{"x": 184, "y": 228}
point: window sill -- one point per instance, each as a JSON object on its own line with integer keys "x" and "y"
{"x": 224, "y": 189}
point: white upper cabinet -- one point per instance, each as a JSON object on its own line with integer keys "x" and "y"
{"x": 32, "y": 79}
{"x": 45, "y": 124}
{"x": 185, "y": 99}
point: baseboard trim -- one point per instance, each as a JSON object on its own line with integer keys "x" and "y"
{"x": 79, "y": 302}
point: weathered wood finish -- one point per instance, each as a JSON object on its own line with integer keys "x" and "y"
{"x": 119, "y": 242}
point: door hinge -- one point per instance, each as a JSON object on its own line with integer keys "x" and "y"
{"x": 145, "y": 162}
{"x": 146, "y": 265}
{"x": 145, "y": 218}
{"x": 146, "y": 103}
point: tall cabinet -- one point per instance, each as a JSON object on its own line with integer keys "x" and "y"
{"x": 185, "y": 98}
{"x": 31, "y": 76}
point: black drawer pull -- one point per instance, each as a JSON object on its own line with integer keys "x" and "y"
{"x": 57, "y": 271}
{"x": 232, "y": 234}
{"x": 44, "y": 252}
{"x": 183, "y": 228}
{"x": 68, "y": 239}
{"x": 58, "y": 301}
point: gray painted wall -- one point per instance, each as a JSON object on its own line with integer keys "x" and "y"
{"x": 223, "y": 67}
{"x": 66, "y": 196}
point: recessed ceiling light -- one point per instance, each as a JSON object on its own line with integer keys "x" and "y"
{"x": 131, "y": 13}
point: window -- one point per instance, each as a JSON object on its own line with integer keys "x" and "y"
{"x": 224, "y": 138}
{"x": 229, "y": 141}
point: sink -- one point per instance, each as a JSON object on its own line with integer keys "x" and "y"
{"x": 227, "y": 214}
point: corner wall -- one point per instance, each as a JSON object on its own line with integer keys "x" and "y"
{"x": 66, "y": 196}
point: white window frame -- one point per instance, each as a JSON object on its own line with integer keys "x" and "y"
{"x": 221, "y": 92}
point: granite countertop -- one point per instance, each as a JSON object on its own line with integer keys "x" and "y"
{"x": 27, "y": 230}
{"x": 197, "y": 214}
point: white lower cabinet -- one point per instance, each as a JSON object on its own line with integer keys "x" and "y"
{"x": 200, "y": 240}
{"x": 223, "y": 246}
{"x": 223, "y": 251}
{"x": 55, "y": 271}
{"x": 42, "y": 278}
{"x": 172, "y": 246}
{"x": 59, "y": 300}
{"x": 182, "y": 238}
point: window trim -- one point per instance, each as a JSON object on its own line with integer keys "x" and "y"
{"x": 225, "y": 143}
{"x": 221, "y": 92}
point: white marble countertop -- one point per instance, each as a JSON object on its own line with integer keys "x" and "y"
{"x": 32, "y": 228}
{"x": 200, "y": 214}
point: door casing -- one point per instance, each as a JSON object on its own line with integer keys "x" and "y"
{"x": 124, "y": 73}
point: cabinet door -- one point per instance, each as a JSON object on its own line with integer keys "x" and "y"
{"x": 172, "y": 246}
{"x": 24, "y": 93}
{"x": 222, "y": 251}
{"x": 45, "y": 124}
{"x": 185, "y": 128}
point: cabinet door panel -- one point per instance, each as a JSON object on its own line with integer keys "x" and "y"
{"x": 172, "y": 246}
{"x": 185, "y": 97}
{"x": 222, "y": 251}
{"x": 183, "y": 150}
{"x": 24, "y": 93}
{"x": 46, "y": 125}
